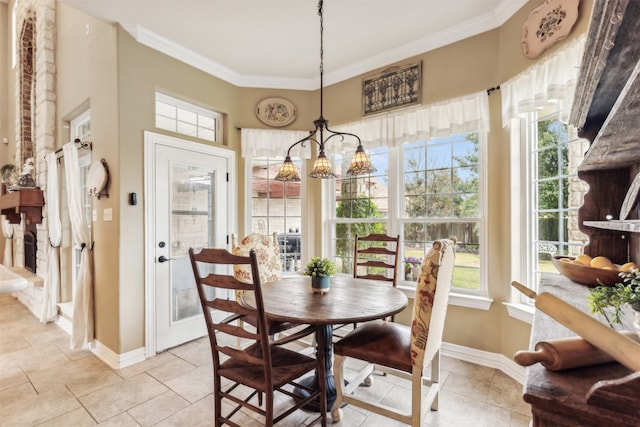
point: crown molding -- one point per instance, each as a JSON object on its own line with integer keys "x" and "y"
{"x": 475, "y": 26}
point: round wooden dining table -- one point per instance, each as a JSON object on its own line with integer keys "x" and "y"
{"x": 349, "y": 300}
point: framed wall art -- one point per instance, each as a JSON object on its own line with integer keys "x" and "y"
{"x": 393, "y": 88}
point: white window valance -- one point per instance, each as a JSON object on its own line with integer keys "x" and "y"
{"x": 273, "y": 143}
{"x": 553, "y": 79}
{"x": 459, "y": 115}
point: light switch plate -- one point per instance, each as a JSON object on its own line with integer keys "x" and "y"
{"x": 107, "y": 214}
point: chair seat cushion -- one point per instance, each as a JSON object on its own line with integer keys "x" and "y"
{"x": 383, "y": 343}
{"x": 286, "y": 365}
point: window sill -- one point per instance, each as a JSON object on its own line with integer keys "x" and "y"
{"x": 461, "y": 300}
{"x": 522, "y": 312}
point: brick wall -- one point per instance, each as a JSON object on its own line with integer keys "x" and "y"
{"x": 35, "y": 104}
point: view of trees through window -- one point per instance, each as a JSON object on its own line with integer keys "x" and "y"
{"x": 436, "y": 195}
{"x": 441, "y": 194}
{"x": 555, "y": 153}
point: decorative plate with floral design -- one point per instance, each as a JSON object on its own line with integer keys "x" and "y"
{"x": 276, "y": 112}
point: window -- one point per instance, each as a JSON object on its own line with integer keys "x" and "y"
{"x": 553, "y": 153}
{"x": 276, "y": 207}
{"x": 361, "y": 206}
{"x": 423, "y": 190}
{"x": 185, "y": 118}
{"x": 441, "y": 183}
{"x": 80, "y": 128}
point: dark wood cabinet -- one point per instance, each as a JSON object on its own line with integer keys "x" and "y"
{"x": 606, "y": 111}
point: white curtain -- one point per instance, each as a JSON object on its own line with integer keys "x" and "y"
{"x": 7, "y": 232}
{"x": 553, "y": 79}
{"x": 82, "y": 329}
{"x": 459, "y": 115}
{"x": 52, "y": 275}
{"x": 273, "y": 143}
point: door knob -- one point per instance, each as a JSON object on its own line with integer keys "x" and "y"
{"x": 163, "y": 258}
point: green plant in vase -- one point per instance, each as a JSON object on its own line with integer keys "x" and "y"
{"x": 320, "y": 270}
{"x": 618, "y": 296}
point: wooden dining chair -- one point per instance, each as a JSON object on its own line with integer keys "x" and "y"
{"x": 376, "y": 257}
{"x": 402, "y": 350}
{"x": 262, "y": 365}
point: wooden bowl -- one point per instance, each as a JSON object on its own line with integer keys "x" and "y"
{"x": 585, "y": 275}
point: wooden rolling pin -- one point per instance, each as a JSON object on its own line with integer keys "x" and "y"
{"x": 567, "y": 353}
{"x": 620, "y": 347}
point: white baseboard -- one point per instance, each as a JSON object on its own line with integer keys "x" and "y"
{"x": 115, "y": 360}
{"x": 485, "y": 358}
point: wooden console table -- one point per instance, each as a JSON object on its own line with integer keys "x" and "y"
{"x": 560, "y": 398}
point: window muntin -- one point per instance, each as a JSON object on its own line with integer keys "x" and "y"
{"x": 276, "y": 207}
{"x": 182, "y": 117}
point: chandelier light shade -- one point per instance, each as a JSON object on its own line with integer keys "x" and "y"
{"x": 360, "y": 164}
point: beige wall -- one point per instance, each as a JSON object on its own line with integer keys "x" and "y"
{"x": 86, "y": 57}
{"x": 7, "y": 108}
{"x": 117, "y": 77}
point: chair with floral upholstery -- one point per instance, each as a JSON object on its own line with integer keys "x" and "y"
{"x": 270, "y": 269}
{"x": 399, "y": 349}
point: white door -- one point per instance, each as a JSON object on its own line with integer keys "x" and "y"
{"x": 188, "y": 207}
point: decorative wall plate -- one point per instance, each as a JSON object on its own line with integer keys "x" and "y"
{"x": 547, "y": 24}
{"x": 97, "y": 178}
{"x": 276, "y": 112}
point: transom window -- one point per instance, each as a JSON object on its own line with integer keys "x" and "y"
{"x": 186, "y": 118}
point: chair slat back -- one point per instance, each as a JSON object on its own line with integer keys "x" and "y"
{"x": 376, "y": 257}
{"x": 430, "y": 302}
{"x": 217, "y": 297}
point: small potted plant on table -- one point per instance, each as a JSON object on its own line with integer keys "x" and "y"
{"x": 320, "y": 270}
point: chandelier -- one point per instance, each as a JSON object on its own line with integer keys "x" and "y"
{"x": 360, "y": 163}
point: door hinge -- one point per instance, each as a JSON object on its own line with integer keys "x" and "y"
{"x": 227, "y": 176}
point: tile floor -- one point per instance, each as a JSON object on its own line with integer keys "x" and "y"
{"x": 43, "y": 383}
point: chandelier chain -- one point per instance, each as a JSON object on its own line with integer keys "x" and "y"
{"x": 320, "y": 12}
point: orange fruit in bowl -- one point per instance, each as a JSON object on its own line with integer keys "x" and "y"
{"x": 601, "y": 262}
{"x": 565, "y": 260}
{"x": 628, "y": 267}
{"x": 610, "y": 267}
{"x": 583, "y": 259}
{"x": 578, "y": 262}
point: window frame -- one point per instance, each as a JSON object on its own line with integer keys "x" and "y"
{"x": 395, "y": 219}
{"x": 524, "y": 210}
{"x": 84, "y": 162}
{"x": 198, "y": 110}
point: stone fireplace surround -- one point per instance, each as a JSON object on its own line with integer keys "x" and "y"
{"x": 35, "y": 120}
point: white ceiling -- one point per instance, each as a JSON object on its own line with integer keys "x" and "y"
{"x": 276, "y": 43}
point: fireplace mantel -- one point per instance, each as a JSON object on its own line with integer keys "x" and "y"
{"x": 28, "y": 201}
